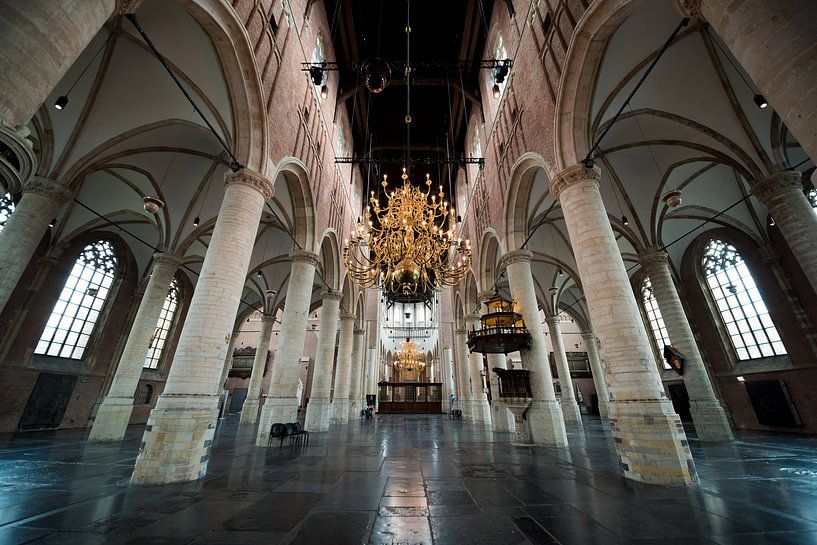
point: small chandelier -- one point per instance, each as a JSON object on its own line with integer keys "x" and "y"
{"x": 408, "y": 357}
{"x": 409, "y": 246}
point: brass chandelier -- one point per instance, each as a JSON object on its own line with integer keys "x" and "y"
{"x": 408, "y": 357}
{"x": 410, "y": 245}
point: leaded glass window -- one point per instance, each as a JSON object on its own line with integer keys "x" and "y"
{"x": 657, "y": 325}
{"x": 74, "y": 315}
{"x": 812, "y": 197}
{"x": 6, "y": 208}
{"x": 159, "y": 337}
{"x": 742, "y": 309}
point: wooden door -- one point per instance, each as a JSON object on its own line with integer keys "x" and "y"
{"x": 48, "y": 402}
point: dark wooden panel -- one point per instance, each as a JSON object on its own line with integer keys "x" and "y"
{"x": 48, "y": 402}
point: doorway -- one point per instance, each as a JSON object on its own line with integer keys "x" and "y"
{"x": 48, "y": 402}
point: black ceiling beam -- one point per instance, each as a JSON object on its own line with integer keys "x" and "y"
{"x": 483, "y": 64}
{"x": 413, "y": 161}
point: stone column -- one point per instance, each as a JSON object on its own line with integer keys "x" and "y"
{"x": 501, "y": 417}
{"x": 774, "y": 42}
{"x": 649, "y": 438}
{"x": 479, "y": 398}
{"x": 570, "y": 408}
{"x": 225, "y": 372}
{"x": 599, "y": 379}
{"x": 40, "y": 40}
{"x": 176, "y": 443}
{"x": 462, "y": 370}
{"x": 281, "y": 405}
{"x": 446, "y": 378}
{"x": 355, "y": 394}
{"x": 113, "y": 415}
{"x": 42, "y": 199}
{"x": 371, "y": 372}
{"x": 782, "y": 194}
{"x": 252, "y": 403}
{"x": 317, "y": 412}
{"x": 343, "y": 370}
{"x": 708, "y": 415}
{"x": 545, "y": 419}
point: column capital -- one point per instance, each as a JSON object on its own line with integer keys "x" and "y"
{"x": 516, "y": 256}
{"x": 305, "y": 256}
{"x": 689, "y": 8}
{"x": 572, "y": 175}
{"x": 123, "y": 7}
{"x": 162, "y": 259}
{"x": 268, "y": 318}
{"x": 332, "y": 295}
{"x": 347, "y": 316}
{"x": 554, "y": 320}
{"x": 652, "y": 258}
{"x": 48, "y": 188}
{"x": 778, "y": 182}
{"x": 252, "y": 179}
{"x": 588, "y": 336}
{"x": 235, "y": 334}
{"x": 460, "y": 331}
{"x": 358, "y": 331}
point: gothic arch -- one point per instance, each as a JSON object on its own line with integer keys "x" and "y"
{"x": 520, "y": 189}
{"x": 294, "y": 175}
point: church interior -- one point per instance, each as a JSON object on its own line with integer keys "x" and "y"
{"x": 403, "y": 272}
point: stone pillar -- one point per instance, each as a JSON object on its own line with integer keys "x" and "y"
{"x": 281, "y": 405}
{"x": 782, "y": 194}
{"x": 356, "y": 376}
{"x": 708, "y": 415}
{"x": 649, "y": 437}
{"x": 545, "y": 419}
{"x": 774, "y": 42}
{"x": 225, "y": 372}
{"x": 176, "y": 443}
{"x": 317, "y": 412}
{"x": 462, "y": 369}
{"x": 446, "y": 365}
{"x": 570, "y": 408}
{"x": 599, "y": 379}
{"x": 479, "y": 398}
{"x": 40, "y": 40}
{"x": 343, "y": 370}
{"x": 252, "y": 403}
{"x": 113, "y": 415}
{"x": 42, "y": 199}
{"x": 501, "y": 417}
{"x": 371, "y": 372}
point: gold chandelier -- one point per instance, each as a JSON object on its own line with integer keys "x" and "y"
{"x": 408, "y": 357}
{"x": 409, "y": 246}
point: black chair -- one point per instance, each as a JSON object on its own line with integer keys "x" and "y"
{"x": 299, "y": 431}
{"x": 278, "y": 430}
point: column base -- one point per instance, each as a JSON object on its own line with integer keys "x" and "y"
{"x": 339, "y": 411}
{"x": 176, "y": 443}
{"x": 249, "y": 411}
{"x": 651, "y": 444}
{"x": 571, "y": 412}
{"x": 518, "y": 406}
{"x": 317, "y": 414}
{"x": 604, "y": 412}
{"x": 501, "y": 417}
{"x": 355, "y": 406}
{"x": 112, "y": 419}
{"x": 482, "y": 412}
{"x": 711, "y": 422}
{"x": 276, "y": 410}
{"x": 546, "y": 423}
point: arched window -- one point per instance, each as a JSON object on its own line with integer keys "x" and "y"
{"x": 812, "y": 197}
{"x": 657, "y": 325}
{"x": 146, "y": 394}
{"x": 73, "y": 317}
{"x": 157, "y": 341}
{"x": 751, "y": 330}
{"x": 6, "y": 208}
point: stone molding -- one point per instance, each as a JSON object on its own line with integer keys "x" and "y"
{"x": 267, "y": 318}
{"x": 347, "y": 316}
{"x": 777, "y": 183}
{"x": 553, "y": 319}
{"x": 305, "y": 256}
{"x": 359, "y": 331}
{"x": 252, "y": 179}
{"x": 460, "y": 331}
{"x": 588, "y": 335}
{"x": 123, "y": 7}
{"x": 516, "y": 256}
{"x": 165, "y": 259}
{"x": 49, "y": 189}
{"x": 573, "y": 175}
{"x": 652, "y": 259}
{"x": 689, "y": 8}
{"x": 332, "y": 295}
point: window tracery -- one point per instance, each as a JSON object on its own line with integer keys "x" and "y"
{"x": 656, "y": 321}
{"x": 76, "y": 311}
{"x": 740, "y": 305}
{"x": 6, "y": 209}
{"x": 159, "y": 337}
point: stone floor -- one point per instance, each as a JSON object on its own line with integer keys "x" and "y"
{"x": 405, "y": 480}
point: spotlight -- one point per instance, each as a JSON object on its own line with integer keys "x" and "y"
{"x": 497, "y": 92}
{"x": 61, "y": 102}
{"x": 324, "y": 92}
{"x": 316, "y": 74}
{"x": 624, "y": 220}
{"x": 196, "y": 221}
{"x": 761, "y": 101}
{"x": 771, "y": 222}
{"x": 501, "y": 71}
{"x": 260, "y": 275}
{"x": 459, "y": 218}
{"x": 52, "y": 223}
{"x": 561, "y": 272}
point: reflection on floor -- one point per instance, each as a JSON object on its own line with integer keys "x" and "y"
{"x": 405, "y": 480}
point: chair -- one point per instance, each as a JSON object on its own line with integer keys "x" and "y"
{"x": 299, "y": 431}
{"x": 278, "y": 430}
